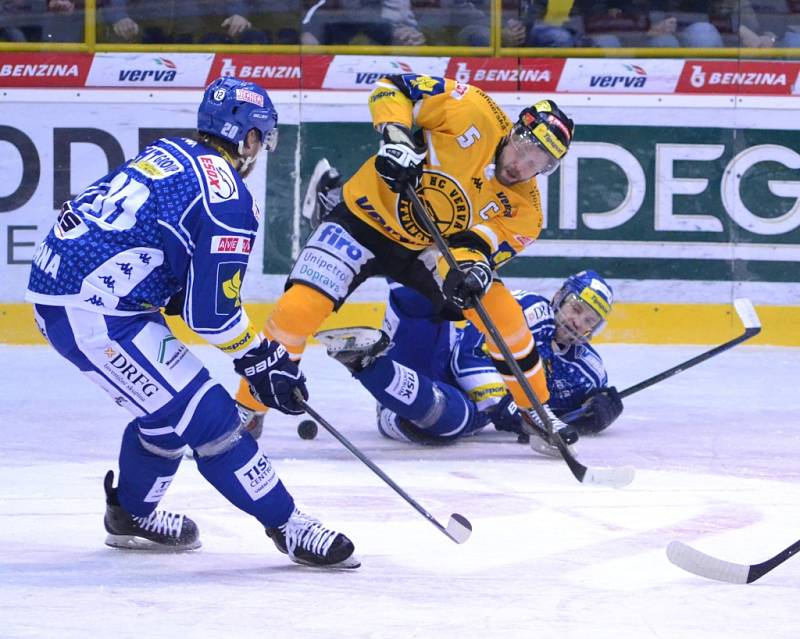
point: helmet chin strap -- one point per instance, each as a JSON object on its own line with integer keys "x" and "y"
{"x": 244, "y": 162}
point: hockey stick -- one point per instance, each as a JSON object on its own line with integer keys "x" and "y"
{"x": 458, "y": 527}
{"x": 752, "y": 327}
{"x": 703, "y": 565}
{"x": 614, "y": 477}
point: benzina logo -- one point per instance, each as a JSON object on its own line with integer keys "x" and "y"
{"x": 39, "y": 70}
{"x": 260, "y": 71}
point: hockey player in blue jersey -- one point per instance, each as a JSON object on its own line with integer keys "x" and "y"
{"x": 435, "y": 383}
{"x": 176, "y": 225}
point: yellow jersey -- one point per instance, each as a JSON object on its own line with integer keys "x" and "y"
{"x": 462, "y": 128}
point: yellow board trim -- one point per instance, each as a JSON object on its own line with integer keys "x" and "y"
{"x": 629, "y": 323}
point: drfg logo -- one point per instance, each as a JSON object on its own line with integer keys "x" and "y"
{"x": 130, "y": 374}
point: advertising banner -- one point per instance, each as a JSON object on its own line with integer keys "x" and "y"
{"x": 687, "y": 201}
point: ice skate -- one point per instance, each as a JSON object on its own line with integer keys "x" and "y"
{"x": 324, "y": 191}
{"x": 309, "y": 543}
{"x": 162, "y": 531}
{"x": 355, "y": 347}
{"x": 392, "y": 426}
{"x": 540, "y": 440}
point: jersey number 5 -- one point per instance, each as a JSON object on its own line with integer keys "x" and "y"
{"x": 469, "y": 137}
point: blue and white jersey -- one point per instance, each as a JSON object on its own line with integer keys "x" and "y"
{"x": 177, "y": 217}
{"x": 573, "y": 374}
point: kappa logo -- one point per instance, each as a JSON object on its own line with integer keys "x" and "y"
{"x": 221, "y": 183}
{"x": 231, "y": 244}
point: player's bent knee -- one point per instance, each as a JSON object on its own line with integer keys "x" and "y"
{"x": 210, "y": 424}
{"x": 330, "y": 261}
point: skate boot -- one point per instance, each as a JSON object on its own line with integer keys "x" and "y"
{"x": 162, "y": 531}
{"x": 392, "y": 426}
{"x": 355, "y": 347}
{"x": 324, "y": 191}
{"x": 309, "y": 543}
{"x": 540, "y": 439}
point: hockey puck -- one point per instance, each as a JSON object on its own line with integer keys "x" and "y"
{"x": 307, "y": 429}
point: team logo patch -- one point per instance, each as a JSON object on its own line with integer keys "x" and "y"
{"x": 229, "y": 286}
{"x": 221, "y": 183}
{"x": 231, "y": 244}
{"x": 447, "y": 202}
{"x": 421, "y": 85}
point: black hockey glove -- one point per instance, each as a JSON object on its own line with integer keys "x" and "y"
{"x": 273, "y": 377}
{"x": 467, "y": 284}
{"x": 602, "y": 409}
{"x": 505, "y": 415}
{"x": 399, "y": 160}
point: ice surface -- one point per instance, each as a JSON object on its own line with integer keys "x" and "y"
{"x": 715, "y": 448}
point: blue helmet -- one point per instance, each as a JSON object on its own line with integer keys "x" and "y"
{"x": 590, "y": 289}
{"x": 231, "y": 107}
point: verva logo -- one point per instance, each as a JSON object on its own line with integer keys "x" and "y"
{"x": 619, "y": 76}
{"x": 748, "y": 77}
{"x": 44, "y": 69}
{"x": 270, "y": 72}
{"x": 506, "y": 74}
{"x": 148, "y": 70}
{"x": 361, "y": 72}
{"x": 165, "y": 71}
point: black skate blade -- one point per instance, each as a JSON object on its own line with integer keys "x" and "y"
{"x": 132, "y": 542}
{"x": 351, "y": 563}
{"x": 459, "y": 528}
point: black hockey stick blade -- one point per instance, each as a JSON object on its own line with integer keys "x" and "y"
{"x": 703, "y": 565}
{"x": 458, "y": 527}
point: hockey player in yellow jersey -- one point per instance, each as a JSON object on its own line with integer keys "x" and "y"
{"x": 474, "y": 169}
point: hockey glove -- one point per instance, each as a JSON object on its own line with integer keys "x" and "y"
{"x": 399, "y": 160}
{"x": 602, "y": 409}
{"x": 505, "y": 415}
{"x": 273, "y": 377}
{"x": 467, "y": 284}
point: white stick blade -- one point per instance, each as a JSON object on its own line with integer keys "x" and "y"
{"x": 702, "y": 565}
{"x": 747, "y": 312}
{"x": 459, "y": 528}
{"x": 610, "y": 477}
